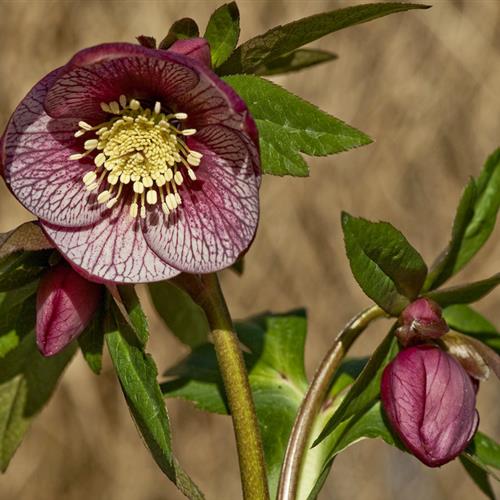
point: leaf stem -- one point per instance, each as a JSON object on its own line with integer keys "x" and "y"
{"x": 299, "y": 437}
{"x": 206, "y": 291}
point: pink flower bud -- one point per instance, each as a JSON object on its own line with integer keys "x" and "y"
{"x": 430, "y": 402}
{"x": 422, "y": 320}
{"x": 65, "y": 304}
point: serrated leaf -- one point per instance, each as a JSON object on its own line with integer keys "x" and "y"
{"x": 464, "y": 319}
{"x": 27, "y": 381}
{"x": 366, "y": 388}
{"x": 288, "y": 126}
{"x": 185, "y": 319}
{"x": 465, "y": 294}
{"x": 388, "y": 269}
{"x": 222, "y": 33}
{"x": 474, "y": 222}
{"x": 295, "y": 61}
{"x": 137, "y": 373}
{"x": 284, "y": 39}
{"x": 181, "y": 30}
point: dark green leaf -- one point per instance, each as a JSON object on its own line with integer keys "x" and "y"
{"x": 295, "y": 61}
{"x": 474, "y": 223}
{"x": 239, "y": 266}
{"x": 137, "y": 374}
{"x": 366, "y": 389}
{"x": 282, "y": 40}
{"x": 388, "y": 269}
{"x": 91, "y": 342}
{"x": 288, "y": 126}
{"x": 19, "y": 269}
{"x": 27, "y": 381}
{"x": 465, "y": 294}
{"x": 134, "y": 312}
{"x": 486, "y": 449}
{"x": 479, "y": 476}
{"x": 181, "y": 30}
{"x": 465, "y": 320}
{"x": 223, "y": 31}
{"x": 185, "y": 319}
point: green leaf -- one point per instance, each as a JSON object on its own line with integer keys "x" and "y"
{"x": 19, "y": 269}
{"x": 295, "y": 61}
{"x": 288, "y": 126}
{"x": 479, "y": 476}
{"x": 465, "y": 294}
{"x": 463, "y": 319}
{"x": 222, "y": 33}
{"x": 27, "y": 381}
{"x": 91, "y": 341}
{"x": 181, "y": 30}
{"x": 134, "y": 312}
{"x": 137, "y": 373}
{"x": 185, "y": 319}
{"x": 388, "y": 269}
{"x": 365, "y": 390}
{"x": 282, "y": 40}
{"x": 473, "y": 225}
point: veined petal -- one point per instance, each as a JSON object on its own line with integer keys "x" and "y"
{"x": 114, "y": 250}
{"x": 195, "y": 48}
{"x": 219, "y": 213}
{"x": 35, "y": 157}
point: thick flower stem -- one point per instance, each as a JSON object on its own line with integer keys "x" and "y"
{"x": 300, "y": 435}
{"x": 206, "y": 291}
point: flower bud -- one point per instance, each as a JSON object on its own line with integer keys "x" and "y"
{"x": 422, "y": 320}
{"x": 65, "y": 304}
{"x": 430, "y": 402}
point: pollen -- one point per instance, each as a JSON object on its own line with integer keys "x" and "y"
{"x": 140, "y": 154}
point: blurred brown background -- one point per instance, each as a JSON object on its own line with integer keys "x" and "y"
{"x": 425, "y": 85}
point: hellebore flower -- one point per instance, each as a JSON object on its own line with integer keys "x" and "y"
{"x": 430, "y": 402}
{"x": 139, "y": 163}
{"x": 65, "y": 304}
{"x": 422, "y": 320}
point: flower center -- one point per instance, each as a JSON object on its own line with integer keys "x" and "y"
{"x": 141, "y": 147}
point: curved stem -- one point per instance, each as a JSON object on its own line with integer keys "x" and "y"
{"x": 206, "y": 291}
{"x": 299, "y": 437}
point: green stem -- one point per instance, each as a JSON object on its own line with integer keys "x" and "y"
{"x": 300, "y": 435}
{"x": 206, "y": 291}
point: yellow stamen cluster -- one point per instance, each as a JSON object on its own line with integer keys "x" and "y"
{"x": 142, "y": 148}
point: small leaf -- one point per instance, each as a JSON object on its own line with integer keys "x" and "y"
{"x": 282, "y": 40}
{"x": 181, "y": 30}
{"x": 388, "y": 269}
{"x": 479, "y": 476}
{"x": 366, "y": 388}
{"x": 473, "y": 225}
{"x": 288, "y": 126}
{"x": 27, "y": 381}
{"x": 465, "y": 320}
{"x": 185, "y": 319}
{"x": 223, "y": 31}
{"x": 91, "y": 341}
{"x": 137, "y": 374}
{"x": 295, "y": 61}
{"x": 28, "y": 237}
{"x": 465, "y": 294}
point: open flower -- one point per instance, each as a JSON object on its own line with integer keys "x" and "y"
{"x": 430, "y": 402}
{"x": 139, "y": 163}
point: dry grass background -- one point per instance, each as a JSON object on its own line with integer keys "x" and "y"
{"x": 425, "y": 85}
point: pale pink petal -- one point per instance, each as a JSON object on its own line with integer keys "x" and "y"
{"x": 114, "y": 250}
{"x": 219, "y": 213}
{"x": 36, "y": 165}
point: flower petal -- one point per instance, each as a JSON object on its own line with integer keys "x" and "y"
{"x": 103, "y": 73}
{"x": 36, "y": 165}
{"x": 219, "y": 213}
{"x": 195, "y": 48}
{"x": 114, "y": 250}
